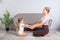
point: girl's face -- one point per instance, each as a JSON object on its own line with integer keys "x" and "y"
{"x": 22, "y": 20}
{"x": 44, "y": 11}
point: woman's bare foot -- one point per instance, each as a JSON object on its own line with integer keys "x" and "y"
{"x": 47, "y": 35}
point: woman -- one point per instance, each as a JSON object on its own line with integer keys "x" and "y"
{"x": 41, "y": 28}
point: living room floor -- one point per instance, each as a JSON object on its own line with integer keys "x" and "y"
{"x": 11, "y": 35}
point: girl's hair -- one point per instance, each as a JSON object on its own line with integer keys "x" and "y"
{"x": 20, "y": 19}
{"x": 47, "y": 9}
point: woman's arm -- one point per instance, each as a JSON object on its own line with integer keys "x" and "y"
{"x": 39, "y": 24}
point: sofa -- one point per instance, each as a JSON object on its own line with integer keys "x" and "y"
{"x": 29, "y": 18}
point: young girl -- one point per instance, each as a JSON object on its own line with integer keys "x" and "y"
{"x": 21, "y": 27}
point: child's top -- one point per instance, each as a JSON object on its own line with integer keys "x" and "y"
{"x": 21, "y": 28}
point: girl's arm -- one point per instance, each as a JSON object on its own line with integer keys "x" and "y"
{"x": 27, "y": 25}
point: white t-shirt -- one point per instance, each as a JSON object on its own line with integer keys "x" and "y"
{"x": 45, "y": 19}
{"x": 21, "y": 28}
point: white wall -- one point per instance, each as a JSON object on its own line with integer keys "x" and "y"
{"x": 31, "y": 6}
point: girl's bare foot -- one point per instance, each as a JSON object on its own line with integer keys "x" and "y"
{"x": 18, "y": 35}
{"x": 23, "y": 35}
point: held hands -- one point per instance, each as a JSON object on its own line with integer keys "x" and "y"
{"x": 32, "y": 26}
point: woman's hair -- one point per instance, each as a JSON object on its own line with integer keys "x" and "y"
{"x": 20, "y": 19}
{"x": 47, "y": 9}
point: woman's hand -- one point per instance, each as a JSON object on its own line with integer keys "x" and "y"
{"x": 32, "y": 27}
